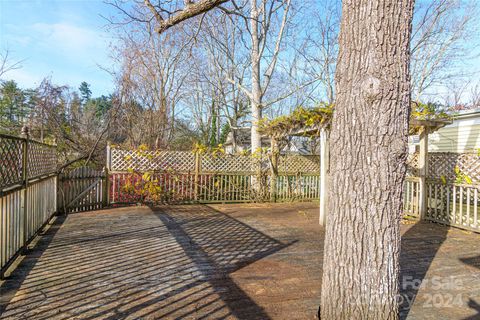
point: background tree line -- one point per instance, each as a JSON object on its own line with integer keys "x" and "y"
{"x": 225, "y": 70}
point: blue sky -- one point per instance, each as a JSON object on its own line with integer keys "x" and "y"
{"x": 64, "y": 39}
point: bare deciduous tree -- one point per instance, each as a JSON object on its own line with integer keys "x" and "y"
{"x": 222, "y": 56}
{"x": 320, "y": 48}
{"x": 441, "y": 30}
{"x": 263, "y": 26}
{"x": 80, "y": 134}
{"x": 151, "y": 78}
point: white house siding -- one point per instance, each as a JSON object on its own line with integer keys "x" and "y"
{"x": 463, "y": 135}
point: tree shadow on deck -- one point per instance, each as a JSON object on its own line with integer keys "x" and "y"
{"x": 172, "y": 262}
{"x": 473, "y": 262}
{"x": 219, "y": 245}
{"x": 420, "y": 243}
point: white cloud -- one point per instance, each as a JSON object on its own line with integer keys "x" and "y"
{"x": 68, "y": 52}
{"x": 70, "y": 40}
{"x": 63, "y": 39}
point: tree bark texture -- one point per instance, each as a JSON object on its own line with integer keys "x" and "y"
{"x": 367, "y": 165}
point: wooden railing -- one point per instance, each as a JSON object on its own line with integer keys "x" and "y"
{"x": 411, "y": 197}
{"x": 451, "y": 204}
{"x": 454, "y": 204}
{"x": 28, "y": 188}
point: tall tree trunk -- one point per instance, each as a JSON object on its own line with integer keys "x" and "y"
{"x": 256, "y": 97}
{"x": 367, "y": 167}
{"x": 163, "y": 121}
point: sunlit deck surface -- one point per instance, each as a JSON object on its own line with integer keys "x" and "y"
{"x": 219, "y": 262}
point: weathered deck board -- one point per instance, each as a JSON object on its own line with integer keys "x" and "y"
{"x": 214, "y": 262}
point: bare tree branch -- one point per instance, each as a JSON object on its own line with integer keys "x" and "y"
{"x": 6, "y": 64}
{"x": 191, "y": 9}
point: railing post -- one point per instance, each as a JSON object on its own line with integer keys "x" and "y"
{"x": 25, "y": 135}
{"x": 274, "y": 170}
{"x": 61, "y": 193}
{"x": 423, "y": 171}
{"x": 324, "y": 165}
{"x": 298, "y": 185}
{"x": 108, "y": 169}
{"x": 106, "y": 188}
{"x": 109, "y": 157}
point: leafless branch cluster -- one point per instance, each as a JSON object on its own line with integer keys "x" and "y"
{"x": 442, "y": 32}
{"x": 235, "y": 63}
{"x": 226, "y": 69}
{"x": 6, "y": 63}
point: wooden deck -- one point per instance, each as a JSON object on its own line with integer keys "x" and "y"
{"x": 220, "y": 262}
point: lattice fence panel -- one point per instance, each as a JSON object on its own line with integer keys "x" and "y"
{"x": 42, "y": 159}
{"x": 10, "y": 161}
{"x": 412, "y": 165}
{"x": 184, "y": 161}
{"x": 297, "y": 163}
{"x": 123, "y": 160}
{"x": 226, "y": 163}
{"x": 444, "y": 163}
{"x": 289, "y": 164}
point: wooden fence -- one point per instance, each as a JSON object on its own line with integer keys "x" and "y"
{"x": 213, "y": 188}
{"x": 454, "y": 204}
{"x": 445, "y": 200}
{"x": 451, "y": 204}
{"x": 28, "y": 184}
{"x": 82, "y": 189}
{"x": 183, "y": 177}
